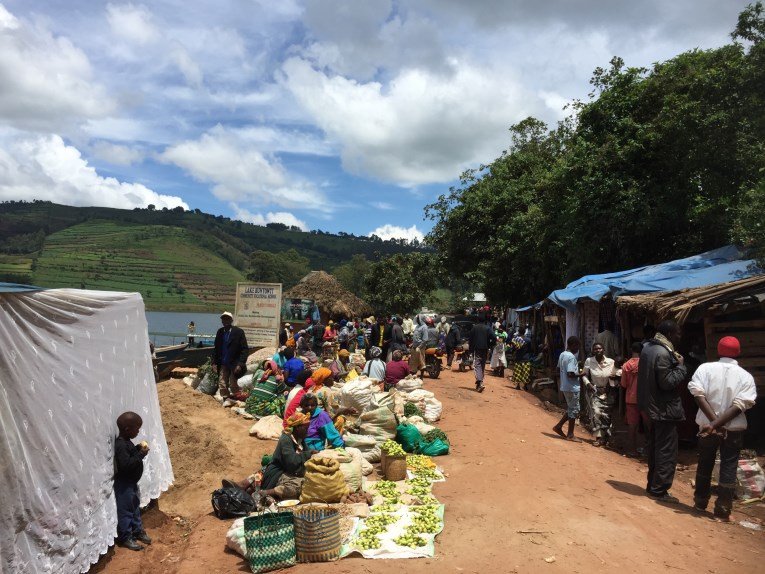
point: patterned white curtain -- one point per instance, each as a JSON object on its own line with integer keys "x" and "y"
{"x": 71, "y": 362}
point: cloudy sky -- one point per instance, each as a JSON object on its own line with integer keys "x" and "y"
{"x": 341, "y": 115}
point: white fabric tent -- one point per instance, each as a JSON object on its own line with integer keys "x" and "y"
{"x": 71, "y": 362}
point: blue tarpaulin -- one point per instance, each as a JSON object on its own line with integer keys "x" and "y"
{"x": 17, "y": 288}
{"x": 717, "y": 266}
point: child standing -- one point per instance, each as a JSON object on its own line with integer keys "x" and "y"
{"x": 128, "y": 468}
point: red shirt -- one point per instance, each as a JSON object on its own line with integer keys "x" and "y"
{"x": 292, "y": 407}
{"x": 395, "y": 371}
{"x": 629, "y": 380}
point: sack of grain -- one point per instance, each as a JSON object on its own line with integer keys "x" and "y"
{"x": 409, "y": 384}
{"x": 246, "y": 382}
{"x": 350, "y": 465}
{"x": 433, "y": 410}
{"x": 267, "y": 428}
{"x": 358, "y": 360}
{"x": 357, "y": 394}
{"x": 324, "y": 482}
{"x": 379, "y": 423}
{"x": 366, "y": 444}
{"x": 208, "y": 385}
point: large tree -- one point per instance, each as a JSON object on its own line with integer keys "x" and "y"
{"x": 401, "y": 283}
{"x": 656, "y": 165}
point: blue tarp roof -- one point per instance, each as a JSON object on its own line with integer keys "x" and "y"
{"x": 717, "y": 266}
{"x": 17, "y": 288}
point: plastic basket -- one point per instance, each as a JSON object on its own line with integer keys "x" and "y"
{"x": 270, "y": 541}
{"x": 317, "y": 534}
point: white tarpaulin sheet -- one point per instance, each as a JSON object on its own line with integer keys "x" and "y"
{"x": 71, "y": 362}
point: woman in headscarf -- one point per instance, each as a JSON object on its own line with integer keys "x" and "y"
{"x": 302, "y": 386}
{"x": 321, "y": 431}
{"x": 375, "y": 367}
{"x": 522, "y": 362}
{"x": 599, "y": 378}
{"x": 283, "y": 475}
{"x": 323, "y": 380}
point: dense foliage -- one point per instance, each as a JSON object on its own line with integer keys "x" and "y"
{"x": 401, "y": 283}
{"x": 659, "y": 163}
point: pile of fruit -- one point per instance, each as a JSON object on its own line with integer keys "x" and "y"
{"x": 392, "y": 448}
{"x": 419, "y": 462}
{"x": 388, "y": 491}
{"x": 384, "y": 507}
{"x": 428, "y": 474}
{"x": 425, "y": 520}
{"x": 410, "y": 539}
{"x": 368, "y": 539}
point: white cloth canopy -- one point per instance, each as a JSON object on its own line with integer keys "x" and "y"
{"x": 71, "y": 362}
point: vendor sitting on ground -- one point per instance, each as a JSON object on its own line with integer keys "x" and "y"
{"x": 302, "y": 386}
{"x": 321, "y": 431}
{"x": 375, "y": 367}
{"x": 396, "y": 370}
{"x": 283, "y": 476}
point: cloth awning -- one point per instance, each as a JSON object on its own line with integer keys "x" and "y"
{"x": 716, "y": 266}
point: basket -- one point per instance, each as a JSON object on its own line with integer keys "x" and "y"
{"x": 270, "y": 541}
{"x": 383, "y": 461}
{"x": 317, "y": 534}
{"x": 395, "y": 469}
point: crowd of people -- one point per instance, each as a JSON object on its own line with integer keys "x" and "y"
{"x": 652, "y": 379}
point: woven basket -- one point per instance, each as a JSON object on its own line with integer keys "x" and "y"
{"x": 395, "y": 468}
{"x": 317, "y": 534}
{"x": 383, "y": 461}
{"x": 270, "y": 541}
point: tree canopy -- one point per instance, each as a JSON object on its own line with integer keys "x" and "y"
{"x": 657, "y": 164}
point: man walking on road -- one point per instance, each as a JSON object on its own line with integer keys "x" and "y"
{"x": 723, "y": 391}
{"x": 569, "y": 386}
{"x": 481, "y": 340}
{"x": 661, "y": 373}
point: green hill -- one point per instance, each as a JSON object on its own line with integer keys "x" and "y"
{"x": 178, "y": 260}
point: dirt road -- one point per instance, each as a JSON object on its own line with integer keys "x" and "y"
{"x": 517, "y": 498}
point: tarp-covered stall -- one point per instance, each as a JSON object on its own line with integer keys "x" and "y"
{"x": 71, "y": 362}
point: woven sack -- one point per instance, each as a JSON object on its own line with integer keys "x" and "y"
{"x": 324, "y": 482}
{"x": 317, "y": 534}
{"x": 270, "y": 540}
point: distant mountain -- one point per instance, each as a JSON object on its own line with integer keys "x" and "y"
{"x": 183, "y": 260}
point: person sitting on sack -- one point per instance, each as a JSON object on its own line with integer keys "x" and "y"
{"x": 375, "y": 367}
{"x": 321, "y": 431}
{"x": 283, "y": 476}
{"x": 723, "y": 391}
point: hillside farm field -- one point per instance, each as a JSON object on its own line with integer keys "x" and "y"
{"x": 16, "y": 268}
{"x": 160, "y": 262}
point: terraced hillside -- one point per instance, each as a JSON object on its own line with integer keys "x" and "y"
{"x": 163, "y": 263}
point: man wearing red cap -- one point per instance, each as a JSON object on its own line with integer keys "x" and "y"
{"x": 723, "y": 391}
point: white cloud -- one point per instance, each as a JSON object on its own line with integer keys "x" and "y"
{"x": 188, "y": 67}
{"x": 240, "y": 172}
{"x": 44, "y": 167}
{"x": 45, "y": 81}
{"x": 132, "y": 23}
{"x": 424, "y": 127}
{"x": 270, "y": 217}
{"x": 117, "y": 154}
{"x": 382, "y": 205}
{"x": 389, "y": 231}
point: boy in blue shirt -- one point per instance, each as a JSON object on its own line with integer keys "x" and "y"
{"x": 569, "y": 385}
{"x": 292, "y": 367}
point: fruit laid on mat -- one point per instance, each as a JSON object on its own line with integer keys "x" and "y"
{"x": 419, "y": 462}
{"x": 366, "y": 540}
{"x": 411, "y": 540}
{"x": 427, "y": 473}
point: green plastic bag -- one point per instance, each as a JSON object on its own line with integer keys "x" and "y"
{"x": 408, "y": 437}
{"x": 435, "y": 447}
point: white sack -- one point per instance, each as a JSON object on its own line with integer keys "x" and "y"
{"x": 379, "y": 423}
{"x": 246, "y": 382}
{"x": 357, "y": 394}
{"x": 409, "y": 384}
{"x": 235, "y": 538}
{"x": 433, "y": 409}
{"x": 268, "y": 428}
{"x": 72, "y": 361}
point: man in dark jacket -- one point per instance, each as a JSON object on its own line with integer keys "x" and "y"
{"x": 481, "y": 340}
{"x": 661, "y": 374}
{"x": 453, "y": 338}
{"x": 397, "y": 341}
{"x": 230, "y": 355}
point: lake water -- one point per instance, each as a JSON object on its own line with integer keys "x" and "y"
{"x": 169, "y": 322}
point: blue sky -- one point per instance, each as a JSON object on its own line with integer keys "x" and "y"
{"x": 341, "y": 115}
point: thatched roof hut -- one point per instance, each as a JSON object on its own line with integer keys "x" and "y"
{"x": 334, "y": 300}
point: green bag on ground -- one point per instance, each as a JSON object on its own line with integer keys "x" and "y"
{"x": 435, "y": 447}
{"x": 408, "y": 437}
{"x": 270, "y": 541}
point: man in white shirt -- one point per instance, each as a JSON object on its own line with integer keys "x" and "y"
{"x": 723, "y": 391}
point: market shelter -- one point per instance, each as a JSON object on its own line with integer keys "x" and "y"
{"x": 72, "y": 362}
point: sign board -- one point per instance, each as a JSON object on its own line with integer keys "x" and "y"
{"x": 296, "y": 310}
{"x": 257, "y": 311}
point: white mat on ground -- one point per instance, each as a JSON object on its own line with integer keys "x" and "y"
{"x": 71, "y": 362}
{"x": 388, "y": 548}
